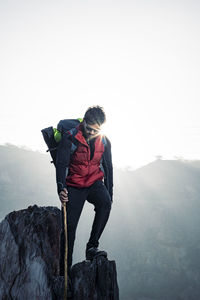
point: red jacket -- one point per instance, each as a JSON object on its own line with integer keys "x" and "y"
{"x": 83, "y": 171}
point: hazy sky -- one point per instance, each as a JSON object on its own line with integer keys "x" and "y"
{"x": 138, "y": 59}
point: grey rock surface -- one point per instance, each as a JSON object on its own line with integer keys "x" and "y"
{"x": 96, "y": 280}
{"x": 29, "y": 256}
{"x": 29, "y": 253}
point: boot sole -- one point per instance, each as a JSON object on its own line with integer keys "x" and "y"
{"x": 91, "y": 257}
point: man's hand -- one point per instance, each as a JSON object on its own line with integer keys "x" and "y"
{"x": 64, "y": 196}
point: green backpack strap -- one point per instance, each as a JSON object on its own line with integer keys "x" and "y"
{"x": 57, "y": 135}
{"x": 80, "y": 120}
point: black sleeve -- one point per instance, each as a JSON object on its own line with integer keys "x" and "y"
{"x": 108, "y": 168}
{"x": 62, "y": 162}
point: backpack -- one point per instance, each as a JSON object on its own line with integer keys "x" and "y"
{"x": 52, "y": 136}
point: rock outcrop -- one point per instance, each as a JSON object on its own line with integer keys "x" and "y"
{"x": 95, "y": 280}
{"x": 29, "y": 255}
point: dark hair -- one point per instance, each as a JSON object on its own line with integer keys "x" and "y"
{"x": 95, "y": 114}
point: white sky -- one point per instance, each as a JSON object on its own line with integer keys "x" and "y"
{"x": 138, "y": 59}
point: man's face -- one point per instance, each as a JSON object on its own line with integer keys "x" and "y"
{"x": 91, "y": 130}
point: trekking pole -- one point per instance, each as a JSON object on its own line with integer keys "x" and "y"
{"x": 66, "y": 249}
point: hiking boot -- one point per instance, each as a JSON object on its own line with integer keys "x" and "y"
{"x": 93, "y": 252}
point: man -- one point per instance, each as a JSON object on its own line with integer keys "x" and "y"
{"x": 86, "y": 174}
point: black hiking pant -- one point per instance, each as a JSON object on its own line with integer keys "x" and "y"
{"x": 98, "y": 195}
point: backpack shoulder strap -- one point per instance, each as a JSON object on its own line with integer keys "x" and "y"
{"x": 104, "y": 141}
{"x": 71, "y": 134}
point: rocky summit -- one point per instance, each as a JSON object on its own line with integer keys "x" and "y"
{"x": 29, "y": 255}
